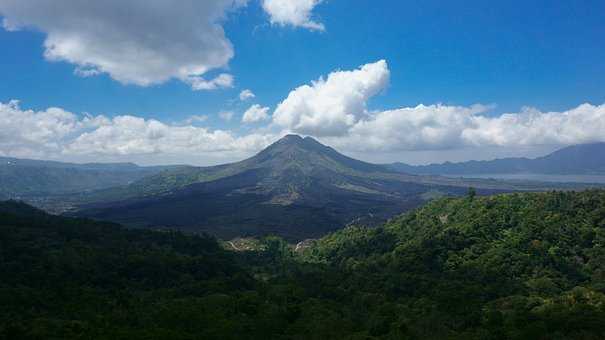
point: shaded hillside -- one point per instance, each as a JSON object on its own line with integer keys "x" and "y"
{"x": 296, "y": 188}
{"x": 586, "y": 159}
{"x": 63, "y": 278}
{"x": 24, "y": 178}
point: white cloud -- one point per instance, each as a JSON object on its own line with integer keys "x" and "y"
{"x": 585, "y": 123}
{"x": 31, "y": 133}
{"x": 335, "y": 110}
{"x": 296, "y": 13}
{"x": 438, "y": 127}
{"x": 127, "y": 135}
{"x": 255, "y": 113}
{"x": 226, "y": 115}
{"x": 59, "y": 134}
{"x": 223, "y": 80}
{"x": 142, "y": 42}
{"x": 421, "y": 127}
{"x": 246, "y": 94}
{"x": 332, "y": 106}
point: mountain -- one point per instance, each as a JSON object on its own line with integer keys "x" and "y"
{"x": 585, "y": 159}
{"x": 296, "y": 188}
{"x": 26, "y": 178}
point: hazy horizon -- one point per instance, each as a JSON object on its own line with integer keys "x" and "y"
{"x": 421, "y": 157}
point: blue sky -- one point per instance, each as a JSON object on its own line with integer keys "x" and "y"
{"x": 505, "y": 55}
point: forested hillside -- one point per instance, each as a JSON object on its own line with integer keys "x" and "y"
{"x": 514, "y": 266}
{"x": 24, "y": 178}
{"x": 520, "y": 266}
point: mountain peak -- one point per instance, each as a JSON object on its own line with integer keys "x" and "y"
{"x": 298, "y": 140}
{"x": 309, "y": 152}
{"x": 291, "y": 138}
{"x": 289, "y": 146}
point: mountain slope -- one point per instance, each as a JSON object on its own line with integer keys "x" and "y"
{"x": 297, "y": 188}
{"x": 64, "y": 278}
{"x": 24, "y": 178}
{"x": 291, "y": 153}
{"x": 514, "y": 266}
{"x": 585, "y": 159}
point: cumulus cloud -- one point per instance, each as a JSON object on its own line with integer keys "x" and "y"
{"x": 141, "y": 42}
{"x": 295, "y": 13}
{"x": 127, "y": 135}
{"x": 57, "y": 133}
{"x": 246, "y": 94}
{"x": 438, "y": 127}
{"x": 585, "y": 123}
{"x": 32, "y": 133}
{"x": 413, "y": 128}
{"x": 335, "y": 110}
{"x": 223, "y": 80}
{"x": 255, "y": 113}
{"x": 332, "y": 106}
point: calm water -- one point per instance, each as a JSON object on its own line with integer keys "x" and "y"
{"x": 541, "y": 178}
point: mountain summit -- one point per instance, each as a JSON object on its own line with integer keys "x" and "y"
{"x": 296, "y": 187}
{"x": 307, "y": 154}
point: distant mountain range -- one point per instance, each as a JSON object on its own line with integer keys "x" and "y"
{"x": 585, "y": 159}
{"x": 23, "y": 178}
{"x": 296, "y": 188}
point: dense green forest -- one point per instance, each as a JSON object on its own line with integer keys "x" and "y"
{"x": 514, "y": 266}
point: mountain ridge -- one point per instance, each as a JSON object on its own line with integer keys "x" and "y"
{"x": 23, "y": 178}
{"x": 583, "y": 159}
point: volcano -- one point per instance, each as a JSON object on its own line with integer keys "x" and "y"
{"x": 296, "y": 188}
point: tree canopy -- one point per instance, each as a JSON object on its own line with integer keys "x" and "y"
{"x": 514, "y": 266}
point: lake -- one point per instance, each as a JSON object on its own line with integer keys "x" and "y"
{"x": 539, "y": 177}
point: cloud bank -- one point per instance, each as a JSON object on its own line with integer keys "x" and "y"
{"x": 56, "y": 133}
{"x": 438, "y": 127}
